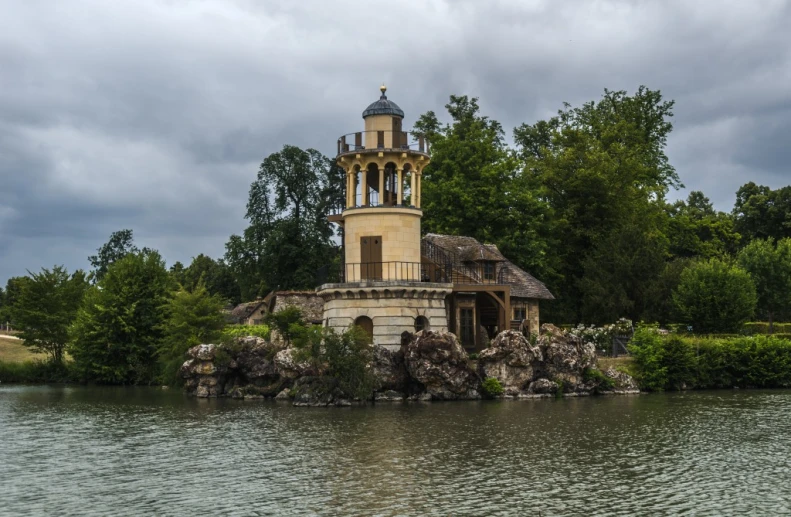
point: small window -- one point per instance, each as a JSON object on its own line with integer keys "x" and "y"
{"x": 421, "y": 323}
{"x": 488, "y": 271}
{"x": 520, "y": 313}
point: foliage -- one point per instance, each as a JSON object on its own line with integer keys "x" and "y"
{"x": 602, "y": 168}
{"x": 120, "y": 244}
{"x": 676, "y": 362}
{"x": 695, "y": 229}
{"x": 120, "y": 324}
{"x": 236, "y": 331}
{"x": 215, "y": 274}
{"x": 660, "y": 306}
{"x": 647, "y": 350}
{"x": 193, "y": 317}
{"x": 600, "y": 381}
{"x": 474, "y": 186}
{"x": 769, "y": 266}
{"x": 46, "y": 306}
{"x": 492, "y": 388}
{"x": 715, "y": 296}
{"x": 284, "y": 321}
{"x": 343, "y": 356}
{"x": 763, "y": 213}
{"x": 601, "y": 337}
{"x": 762, "y": 327}
{"x": 36, "y": 372}
{"x": 10, "y": 295}
{"x": 289, "y": 235}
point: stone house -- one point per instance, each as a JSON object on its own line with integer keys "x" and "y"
{"x": 391, "y": 280}
{"x": 252, "y": 313}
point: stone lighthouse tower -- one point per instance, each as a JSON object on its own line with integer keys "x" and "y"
{"x": 386, "y": 287}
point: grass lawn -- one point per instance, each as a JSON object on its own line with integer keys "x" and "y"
{"x": 13, "y": 351}
{"x": 623, "y": 363}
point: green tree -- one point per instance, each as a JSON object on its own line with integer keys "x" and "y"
{"x": 119, "y": 327}
{"x": 120, "y": 244}
{"x": 45, "y": 308}
{"x": 620, "y": 272}
{"x": 769, "y": 266}
{"x": 660, "y": 307}
{"x": 286, "y": 321}
{"x": 715, "y": 296}
{"x": 474, "y": 186}
{"x": 193, "y": 317}
{"x": 598, "y": 166}
{"x": 695, "y": 229}
{"x": 13, "y": 288}
{"x": 215, "y": 274}
{"x": 289, "y": 237}
{"x": 762, "y": 213}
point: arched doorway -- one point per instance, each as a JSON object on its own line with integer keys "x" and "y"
{"x": 421, "y": 323}
{"x": 367, "y": 324}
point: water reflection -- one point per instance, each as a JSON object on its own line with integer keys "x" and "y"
{"x": 132, "y": 451}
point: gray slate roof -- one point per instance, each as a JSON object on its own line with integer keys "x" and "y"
{"x": 383, "y": 107}
{"x": 467, "y": 249}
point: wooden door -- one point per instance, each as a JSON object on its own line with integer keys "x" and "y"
{"x": 397, "y": 143}
{"x": 371, "y": 258}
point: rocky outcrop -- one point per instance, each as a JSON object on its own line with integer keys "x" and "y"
{"x": 429, "y": 366}
{"x": 512, "y": 360}
{"x": 438, "y": 363}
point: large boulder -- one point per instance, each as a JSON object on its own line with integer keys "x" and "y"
{"x": 622, "y": 382}
{"x": 512, "y": 360}
{"x": 440, "y": 365}
{"x": 287, "y": 365}
{"x": 565, "y": 358}
{"x": 389, "y": 370}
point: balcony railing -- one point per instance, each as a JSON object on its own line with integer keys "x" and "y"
{"x": 381, "y": 140}
{"x": 460, "y": 274}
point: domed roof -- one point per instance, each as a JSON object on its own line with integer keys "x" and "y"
{"x": 383, "y": 107}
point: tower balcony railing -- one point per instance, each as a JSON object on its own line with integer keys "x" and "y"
{"x": 459, "y": 274}
{"x": 383, "y": 141}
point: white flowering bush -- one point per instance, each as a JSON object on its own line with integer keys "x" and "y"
{"x": 601, "y": 337}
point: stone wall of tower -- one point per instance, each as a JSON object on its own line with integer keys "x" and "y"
{"x": 399, "y": 229}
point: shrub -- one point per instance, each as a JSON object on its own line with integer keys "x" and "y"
{"x": 36, "y": 372}
{"x": 283, "y": 321}
{"x": 232, "y": 332}
{"x": 492, "y": 388}
{"x": 601, "y": 381}
{"x": 675, "y": 362}
{"x": 715, "y": 296}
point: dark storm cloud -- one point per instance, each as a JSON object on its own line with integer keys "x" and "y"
{"x": 155, "y": 115}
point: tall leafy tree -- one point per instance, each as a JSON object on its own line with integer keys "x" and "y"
{"x": 13, "y": 288}
{"x": 769, "y": 266}
{"x": 289, "y": 237}
{"x": 216, "y": 275}
{"x": 598, "y": 165}
{"x": 474, "y": 186}
{"x": 45, "y": 308}
{"x": 696, "y": 229}
{"x": 118, "y": 329}
{"x": 762, "y": 213}
{"x": 193, "y": 317}
{"x": 120, "y": 244}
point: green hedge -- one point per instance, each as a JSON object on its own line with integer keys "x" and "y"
{"x": 236, "y": 331}
{"x": 762, "y": 327}
{"x": 675, "y": 362}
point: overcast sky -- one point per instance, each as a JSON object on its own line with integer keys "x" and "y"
{"x": 154, "y": 114}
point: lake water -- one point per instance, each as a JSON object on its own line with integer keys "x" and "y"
{"x": 127, "y": 451}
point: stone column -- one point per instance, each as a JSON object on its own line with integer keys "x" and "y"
{"x": 412, "y": 192}
{"x": 419, "y": 189}
{"x": 364, "y": 197}
{"x": 349, "y": 188}
{"x": 381, "y": 187}
{"x": 400, "y": 186}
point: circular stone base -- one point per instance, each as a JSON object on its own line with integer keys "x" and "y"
{"x": 392, "y": 306}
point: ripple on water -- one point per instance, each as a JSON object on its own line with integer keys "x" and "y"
{"x": 79, "y": 451}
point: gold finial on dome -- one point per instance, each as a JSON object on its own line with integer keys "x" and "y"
{"x": 383, "y": 88}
